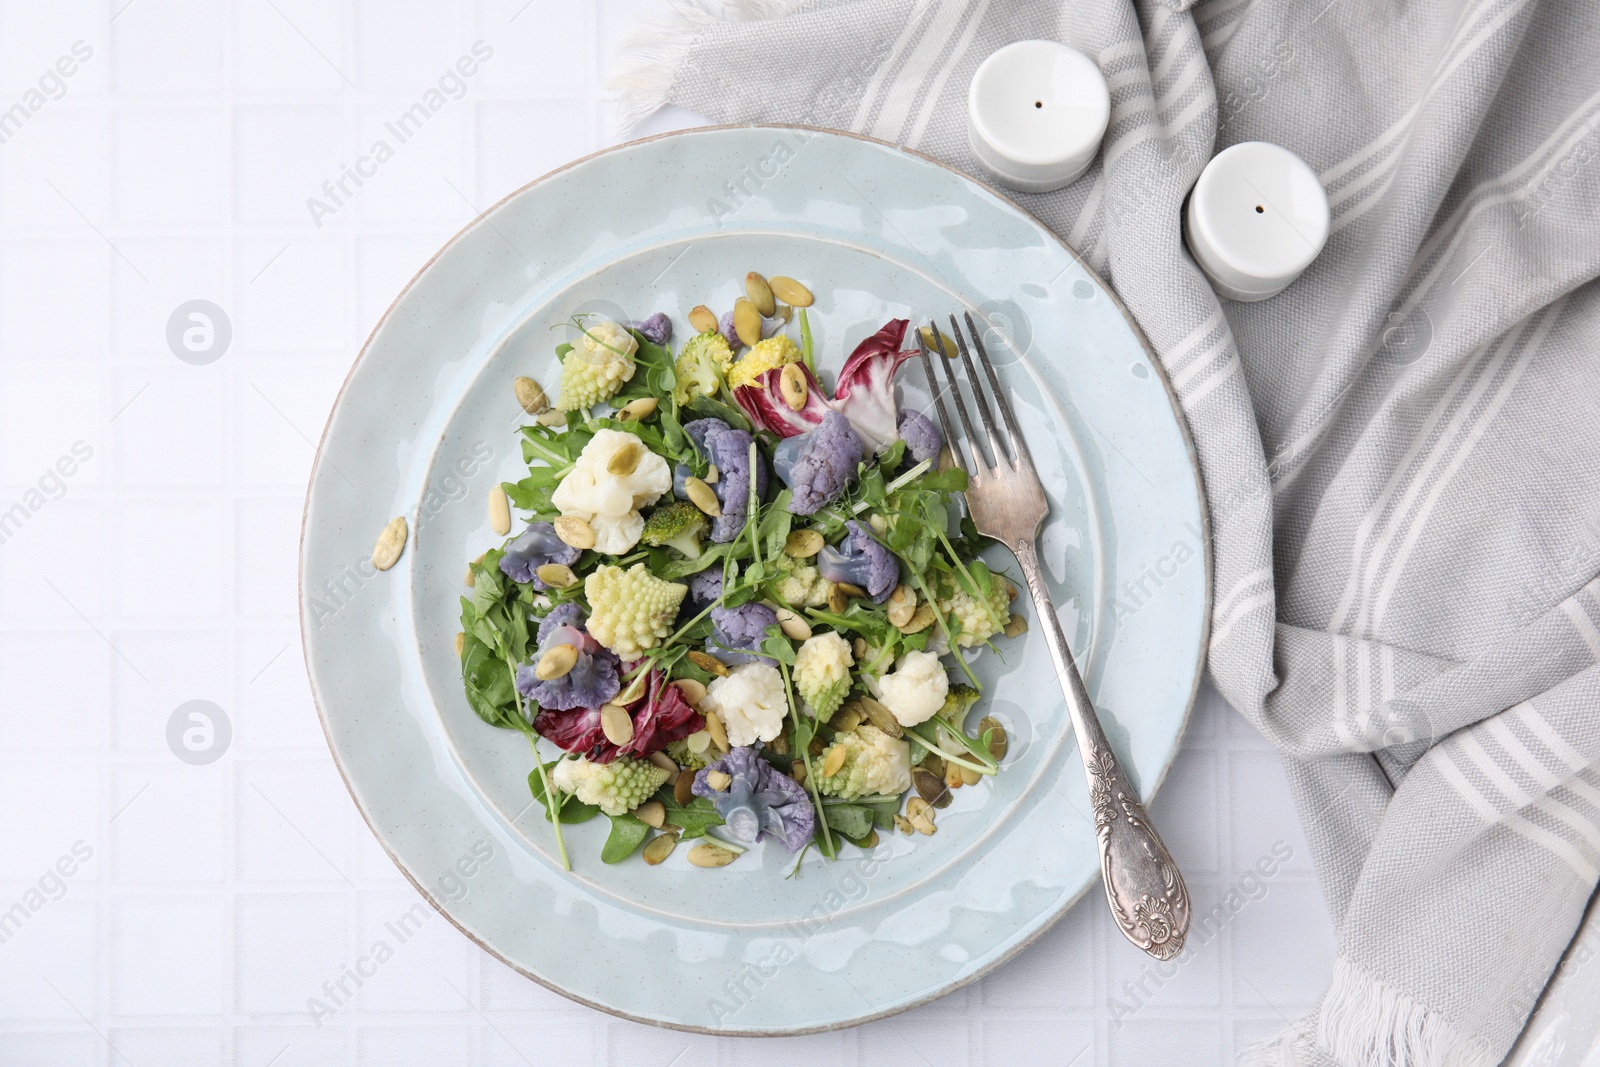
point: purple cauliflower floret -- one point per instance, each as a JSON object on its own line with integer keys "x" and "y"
{"x": 728, "y": 332}
{"x": 920, "y": 435}
{"x": 533, "y": 548}
{"x": 592, "y": 681}
{"x": 729, "y": 449}
{"x": 860, "y": 560}
{"x": 818, "y": 464}
{"x": 657, "y": 329}
{"x": 760, "y": 802}
{"x": 705, "y": 589}
{"x": 737, "y": 633}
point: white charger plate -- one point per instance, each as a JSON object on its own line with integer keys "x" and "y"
{"x": 426, "y": 423}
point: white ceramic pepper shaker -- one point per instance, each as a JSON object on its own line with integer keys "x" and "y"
{"x": 1256, "y": 219}
{"x": 1036, "y": 111}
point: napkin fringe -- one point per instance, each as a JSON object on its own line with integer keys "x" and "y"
{"x": 651, "y": 54}
{"x": 1295, "y": 1047}
{"x": 1365, "y": 1022}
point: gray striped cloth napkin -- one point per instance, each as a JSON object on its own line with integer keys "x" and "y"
{"x": 1401, "y": 452}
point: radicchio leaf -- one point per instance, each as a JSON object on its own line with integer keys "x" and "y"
{"x": 767, "y": 408}
{"x": 865, "y": 393}
{"x": 660, "y": 716}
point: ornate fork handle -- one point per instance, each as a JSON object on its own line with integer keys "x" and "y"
{"x": 1143, "y": 886}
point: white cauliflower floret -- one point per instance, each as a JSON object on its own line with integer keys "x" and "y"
{"x": 822, "y": 672}
{"x": 750, "y": 701}
{"x": 915, "y": 690}
{"x": 608, "y": 502}
{"x": 599, "y": 365}
{"x": 801, "y": 585}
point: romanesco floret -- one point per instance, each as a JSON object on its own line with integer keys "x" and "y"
{"x": 599, "y": 365}
{"x": 631, "y": 610}
{"x": 764, "y": 355}
{"x": 701, "y": 366}
{"x": 616, "y": 788}
{"x": 822, "y": 672}
{"x": 678, "y": 525}
{"x": 800, "y": 585}
{"x": 874, "y": 763}
{"x": 980, "y": 619}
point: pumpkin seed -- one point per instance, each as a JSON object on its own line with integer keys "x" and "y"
{"x": 792, "y": 384}
{"x": 792, "y": 625}
{"x": 881, "y": 717}
{"x": 902, "y": 605}
{"x": 574, "y": 531}
{"x": 785, "y": 314}
{"x": 851, "y": 589}
{"x": 815, "y": 747}
{"x": 947, "y": 458}
{"x": 797, "y": 771}
{"x": 870, "y": 841}
{"x": 530, "y": 396}
{"x": 878, "y": 523}
{"x": 461, "y": 644}
{"x": 552, "y": 418}
{"x": 652, "y": 813}
{"x": 683, "y": 789}
{"x": 920, "y": 814}
{"x": 471, "y": 578}
{"x": 779, "y": 744}
{"x": 710, "y": 856}
{"x": 903, "y": 824}
{"x": 708, "y": 663}
{"x": 833, "y": 761}
{"x": 915, "y": 806}
{"x": 1011, "y": 590}
{"x": 633, "y": 690}
{"x": 693, "y": 691}
{"x": 923, "y": 824}
{"x": 718, "y": 732}
{"x": 970, "y": 776}
{"x": 998, "y": 743}
{"x": 616, "y": 724}
{"x": 625, "y": 460}
{"x": 392, "y": 542}
{"x": 930, "y": 787}
{"x": 642, "y": 408}
{"x": 747, "y": 321}
{"x": 952, "y": 775}
{"x": 1016, "y": 626}
{"x": 760, "y": 294}
{"x": 938, "y": 341}
{"x": 712, "y": 474}
{"x": 499, "y": 510}
{"x": 790, "y": 291}
{"x": 659, "y": 848}
{"x": 933, "y": 764}
{"x": 803, "y": 544}
{"x": 837, "y": 601}
{"x": 668, "y": 764}
{"x": 699, "y": 742}
{"x": 702, "y": 496}
{"x": 703, "y": 319}
{"x": 719, "y": 780}
{"x": 921, "y": 619}
{"x": 847, "y": 718}
{"x": 556, "y": 575}
{"x": 556, "y": 663}
{"x": 860, "y": 647}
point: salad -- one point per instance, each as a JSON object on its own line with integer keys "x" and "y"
{"x": 742, "y": 606}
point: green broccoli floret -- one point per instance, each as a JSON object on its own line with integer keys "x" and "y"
{"x": 631, "y": 610}
{"x": 688, "y": 758}
{"x": 874, "y": 763}
{"x": 702, "y": 364}
{"x": 822, "y": 673}
{"x": 957, "y": 702}
{"x": 678, "y": 525}
{"x": 615, "y": 788}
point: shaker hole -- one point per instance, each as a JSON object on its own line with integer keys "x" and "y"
{"x": 1260, "y": 210}
{"x": 1038, "y": 103}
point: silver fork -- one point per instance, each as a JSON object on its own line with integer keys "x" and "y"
{"x": 1007, "y": 503}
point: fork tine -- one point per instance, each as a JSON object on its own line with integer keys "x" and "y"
{"x": 984, "y": 415}
{"x": 1019, "y": 447}
{"x": 938, "y": 402}
{"x": 980, "y": 462}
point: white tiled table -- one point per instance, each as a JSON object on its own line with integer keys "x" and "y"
{"x": 176, "y": 165}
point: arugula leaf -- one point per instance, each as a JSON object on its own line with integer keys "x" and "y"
{"x": 883, "y": 808}
{"x": 627, "y": 834}
{"x": 695, "y": 818}
{"x": 488, "y": 685}
{"x": 849, "y": 820}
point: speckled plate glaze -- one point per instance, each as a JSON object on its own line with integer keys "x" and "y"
{"x": 426, "y": 423}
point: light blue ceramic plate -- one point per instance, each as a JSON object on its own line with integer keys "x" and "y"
{"x": 427, "y": 423}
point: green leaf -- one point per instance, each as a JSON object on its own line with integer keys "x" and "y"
{"x": 627, "y": 834}
{"x": 695, "y": 818}
{"x": 488, "y": 685}
{"x": 706, "y": 408}
{"x": 849, "y": 820}
{"x": 778, "y": 646}
{"x": 573, "y": 810}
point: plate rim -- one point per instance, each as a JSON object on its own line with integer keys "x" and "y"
{"x": 1206, "y": 557}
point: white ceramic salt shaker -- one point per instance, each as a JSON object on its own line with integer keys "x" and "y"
{"x": 1256, "y": 219}
{"x": 1036, "y": 111}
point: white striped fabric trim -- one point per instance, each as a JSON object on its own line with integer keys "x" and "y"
{"x": 1500, "y": 732}
{"x": 1452, "y": 773}
{"x": 1243, "y": 586}
{"x": 869, "y": 93}
{"x": 902, "y": 90}
{"x": 1528, "y": 717}
{"x": 936, "y": 89}
{"x": 1205, "y": 388}
{"x": 1223, "y": 632}
{"x": 1339, "y": 646}
{"x": 1380, "y": 604}
{"x": 1120, "y": 50}
{"x": 1201, "y": 362}
{"x": 1583, "y": 624}
{"x": 1087, "y": 213}
{"x": 1195, "y": 108}
{"x": 1585, "y": 830}
{"x": 1124, "y": 78}
{"x": 1174, "y": 356}
{"x": 1363, "y": 715}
